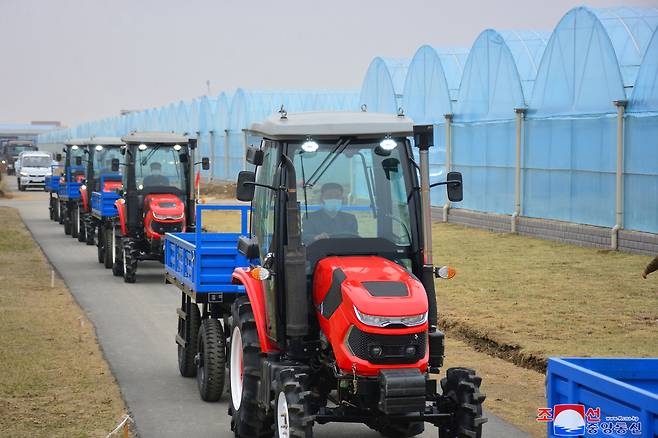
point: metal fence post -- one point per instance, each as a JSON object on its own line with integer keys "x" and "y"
{"x": 520, "y": 113}
{"x": 448, "y": 117}
{"x": 619, "y": 175}
{"x": 211, "y": 140}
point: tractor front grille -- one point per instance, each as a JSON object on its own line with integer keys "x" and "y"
{"x": 386, "y": 349}
{"x": 166, "y": 227}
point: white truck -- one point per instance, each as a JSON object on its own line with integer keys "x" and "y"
{"x": 32, "y": 167}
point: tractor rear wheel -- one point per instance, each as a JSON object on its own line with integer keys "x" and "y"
{"x": 188, "y": 330}
{"x": 129, "y": 258}
{"x": 462, "y": 387}
{"x": 109, "y": 250}
{"x": 248, "y": 418}
{"x": 293, "y": 416}
{"x": 75, "y": 223}
{"x": 210, "y": 360}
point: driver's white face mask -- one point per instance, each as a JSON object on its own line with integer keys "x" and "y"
{"x": 332, "y": 206}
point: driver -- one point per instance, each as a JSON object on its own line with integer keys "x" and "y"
{"x": 155, "y": 178}
{"x": 329, "y": 221}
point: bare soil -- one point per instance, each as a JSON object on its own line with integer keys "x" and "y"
{"x": 54, "y": 381}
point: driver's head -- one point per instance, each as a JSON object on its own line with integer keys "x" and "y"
{"x": 331, "y": 196}
{"x": 156, "y": 168}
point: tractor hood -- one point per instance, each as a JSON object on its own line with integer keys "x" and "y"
{"x": 374, "y": 285}
{"x": 165, "y": 206}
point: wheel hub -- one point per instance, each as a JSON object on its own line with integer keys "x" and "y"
{"x": 236, "y": 368}
{"x": 282, "y": 417}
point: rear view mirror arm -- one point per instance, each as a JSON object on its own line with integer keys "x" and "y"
{"x": 444, "y": 183}
{"x": 249, "y": 183}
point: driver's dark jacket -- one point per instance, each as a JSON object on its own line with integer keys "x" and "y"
{"x": 319, "y": 222}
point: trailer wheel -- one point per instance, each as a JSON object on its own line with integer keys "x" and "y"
{"x": 462, "y": 387}
{"x": 188, "y": 330}
{"x": 293, "y": 417}
{"x": 210, "y": 360}
{"x": 248, "y": 418}
{"x": 129, "y": 258}
{"x": 73, "y": 220}
{"x": 109, "y": 250}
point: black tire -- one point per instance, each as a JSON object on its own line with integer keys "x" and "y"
{"x": 109, "y": 254}
{"x": 66, "y": 214}
{"x": 90, "y": 233}
{"x": 248, "y": 418}
{"x": 129, "y": 258}
{"x": 188, "y": 330}
{"x": 462, "y": 387}
{"x": 61, "y": 212}
{"x": 117, "y": 267}
{"x": 51, "y": 210}
{"x": 297, "y": 420}
{"x": 20, "y": 186}
{"x": 82, "y": 229}
{"x": 100, "y": 244}
{"x": 210, "y": 360}
{"x": 74, "y": 223}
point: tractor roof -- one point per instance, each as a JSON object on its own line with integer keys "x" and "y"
{"x": 106, "y": 141}
{"x": 18, "y": 142}
{"x": 333, "y": 124}
{"x": 154, "y": 137}
{"x": 77, "y": 142}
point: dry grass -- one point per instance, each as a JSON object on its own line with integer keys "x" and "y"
{"x": 54, "y": 381}
{"x": 532, "y": 298}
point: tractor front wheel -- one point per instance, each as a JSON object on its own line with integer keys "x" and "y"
{"x": 188, "y": 329}
{"x": 109, "y": 250}
{"x": 74, "y": 221}
{"x": 100, "y": 244}
{"x": 90, "y": 233}
{"x": 66, "y": 215}
{"x": 248, "y": 418}
{"x": 462, "y": 387}
{"x": 129, "y": 258}
{"x": 82, "y": 230}
{"x": 293, "y": 416}
{"x": 210, "y": 360}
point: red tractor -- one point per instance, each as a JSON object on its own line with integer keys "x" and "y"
{"x": 339, "y": 319}
{"x": 157, "y": 197}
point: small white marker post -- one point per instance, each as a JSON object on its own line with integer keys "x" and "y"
{"x": 52, "y": 278}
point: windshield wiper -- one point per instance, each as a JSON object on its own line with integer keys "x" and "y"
{"x": 301, "y": 159}
{"x": 150, "y": 154}
{"x": 331, "y": 157}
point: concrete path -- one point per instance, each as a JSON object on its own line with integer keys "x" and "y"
{"x": 136, "y": 325}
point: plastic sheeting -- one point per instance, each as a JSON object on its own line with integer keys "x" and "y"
{"x": 383, "y": 85}
{"x": 432, "y": 82}
{"x": 645, "y": 92}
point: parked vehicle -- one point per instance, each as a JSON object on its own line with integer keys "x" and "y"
{"x": 619, "y": 396}
{"x": 157, "y": 197}
{"x": 68, "y": 192}
{"x": 32, "y": 167}
{"x": 338, "y": 319}
{"x": 98, "y": 194}
{"x": 51, "y": 185}
{"x": 10, "y": 151}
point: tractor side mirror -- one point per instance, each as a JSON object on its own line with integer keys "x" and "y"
{"x": 245, "y": 187}
{"x": 255, "y": 156}
{"x": 455, "y": 187}
{"x": 78, "y": 161}
{"x": 205, "y": 163}
{"x": 58, "y": 157}
{"x": 248, "y": 247}
{"x": 115, "y": 164}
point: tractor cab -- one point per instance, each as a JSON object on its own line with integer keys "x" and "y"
{"x": 157, "y": 195}
{"x": 340, "y": 246}
{"x": 74, "y": 157}
{"x": 98, "y": 167}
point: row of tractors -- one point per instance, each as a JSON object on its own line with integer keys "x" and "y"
{"x": 322, "y": 307}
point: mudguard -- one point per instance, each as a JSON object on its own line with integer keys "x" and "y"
{"x": 83, "y": 195}
{"x": 120, "y": 204}
{"x": 256, "y": 296}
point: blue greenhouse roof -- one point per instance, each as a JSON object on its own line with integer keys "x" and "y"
{"x": 383, "y": 84}
{"x": 645, "y": 92}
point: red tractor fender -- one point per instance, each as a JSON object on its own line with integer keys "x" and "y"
{"x": 83, "y": 195}
{"x": 120, "y": 204}
{"x": 256, "y": 296}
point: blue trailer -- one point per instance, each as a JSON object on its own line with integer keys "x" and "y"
{"x": 201, "y": 265}
{"x": 103, "y": 220}
{"x": 615, "y": 397}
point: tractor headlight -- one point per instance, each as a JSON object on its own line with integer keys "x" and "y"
{"x": 383, "y": 321}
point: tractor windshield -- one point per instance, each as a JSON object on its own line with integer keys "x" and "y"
{"x": 103, "y": 156}
{"x": 159, "y": 166}
{"x": 353, "y": 190}
{"x": 18, "y": 148}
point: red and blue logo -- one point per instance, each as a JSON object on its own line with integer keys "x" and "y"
{"x": 569, "y": 420}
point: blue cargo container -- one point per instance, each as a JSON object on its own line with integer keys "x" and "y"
{"x": 102, "y": 202}
{"x": 201, "y": 264}
{"x": 625, "y": 391}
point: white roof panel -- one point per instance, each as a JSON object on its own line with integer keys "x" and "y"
{"x": 154, "y": 137}
{"x": 107, "y": 141}
{"x": 333, "y": 124}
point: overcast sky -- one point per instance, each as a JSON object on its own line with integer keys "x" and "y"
{"x": 80, "y": 60}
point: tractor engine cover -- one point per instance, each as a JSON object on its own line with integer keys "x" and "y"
{"x": 373, "y": 312}
{"x": 163, "y": 213}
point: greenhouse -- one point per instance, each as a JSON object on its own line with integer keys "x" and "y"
{"x": 383, "y": 85}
